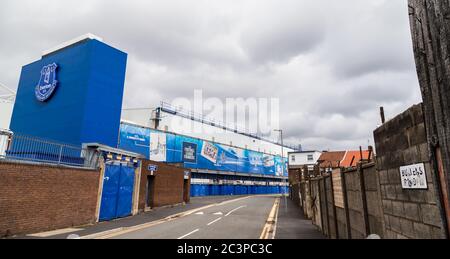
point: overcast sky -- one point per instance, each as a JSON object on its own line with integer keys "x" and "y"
{"x": 331, "y": 63}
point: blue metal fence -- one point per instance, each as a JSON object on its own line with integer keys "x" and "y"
{"x": 201, "y": 190}
{"x": 26, "y": 148}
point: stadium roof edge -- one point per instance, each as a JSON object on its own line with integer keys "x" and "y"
{"x": 88, "y": 36}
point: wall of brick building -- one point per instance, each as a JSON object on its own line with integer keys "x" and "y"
{"x": 407, "y": 213}
{"x": 36, "y": 198}
{"x": 169, "y": 184}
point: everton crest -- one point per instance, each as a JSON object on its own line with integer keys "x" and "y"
{"x": 47, "y": 83}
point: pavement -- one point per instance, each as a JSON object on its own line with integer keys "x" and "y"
{"x": 292, "y": 223}
{"x": 224, "y": 217}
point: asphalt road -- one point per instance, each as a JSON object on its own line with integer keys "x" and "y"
{"x": 241, "y": 219}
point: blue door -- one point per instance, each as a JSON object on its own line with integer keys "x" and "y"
{"x": 117, "y": 195}
{"x": 126, "y": 187}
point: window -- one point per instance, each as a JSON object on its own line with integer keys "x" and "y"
{"x": 310, "y": 158}
{"x": 293, "y": 158}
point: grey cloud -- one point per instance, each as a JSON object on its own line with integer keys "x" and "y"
{"x": 372, "y": 36}
{"x": 331, "y": 63}
{"x": 282, "y": 30}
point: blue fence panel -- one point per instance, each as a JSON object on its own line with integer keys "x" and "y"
{"x": 125, "y": 200}
{"x": 110, "y": 193}
{"x": 215, "y": 190}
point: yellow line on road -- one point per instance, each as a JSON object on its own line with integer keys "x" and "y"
{"x": 269, "y": 227}
{"x": 122, "y": 231}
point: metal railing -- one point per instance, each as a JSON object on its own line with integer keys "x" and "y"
{"x": 25, "y": 148}
{"x": 168, "y": 108}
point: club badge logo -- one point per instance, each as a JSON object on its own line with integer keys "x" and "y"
{"x": 47, "y": 83}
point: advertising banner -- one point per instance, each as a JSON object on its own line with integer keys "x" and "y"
{"x": 135, "y": 139}
{"x": 210, "y": 152}
{"x": 199, "y": 154}
{"x": 189, "y": 152}
{"x": 158, "y": 147}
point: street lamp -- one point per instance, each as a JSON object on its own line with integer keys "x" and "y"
{"x": 282, "y": 169}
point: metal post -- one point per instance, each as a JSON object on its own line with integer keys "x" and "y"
{"x": 346, "y": 205}
{"x": 362, "y": 183}
{"x": 383, "y": 118}
{"x": 60, "y": 155}
{"x": 282, "y": 168}
{"x": 336, "y": 227}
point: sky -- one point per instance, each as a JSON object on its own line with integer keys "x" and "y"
{"x": 332, "y": 64}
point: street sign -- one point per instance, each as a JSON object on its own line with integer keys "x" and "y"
{"x": 153, "y": 168}
{"x": 414, "y": 177}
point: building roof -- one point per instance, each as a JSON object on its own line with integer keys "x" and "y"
{"x": 331, "y": 159}
{"x": 304, "y": 152}
{"x": 352, "y": 158}
{"x": 342, "y": 158}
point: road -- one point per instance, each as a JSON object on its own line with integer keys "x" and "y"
{"x": 252, "y": 217}
{"x": 244, "y": 218}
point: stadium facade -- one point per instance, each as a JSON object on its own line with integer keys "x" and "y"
{"x": 74, "y": 95}
{"x": 224, "y": 159}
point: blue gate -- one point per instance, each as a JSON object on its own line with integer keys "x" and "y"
{"x": 117, "y": 195}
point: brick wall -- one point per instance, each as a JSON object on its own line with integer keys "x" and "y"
{"x": 37, "y": 198}
{"x": 407, "y": 213}
{"x": 168, "y": 185}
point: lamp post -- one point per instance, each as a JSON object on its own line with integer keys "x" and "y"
{"x": 282, "y": 169}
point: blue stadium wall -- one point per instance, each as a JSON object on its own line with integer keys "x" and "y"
{"x": 204, "y": 155}
{"x": 86, "y": 106}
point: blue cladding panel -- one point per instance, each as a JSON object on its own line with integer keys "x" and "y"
{"x": 86, "y": 106}
{"x": 135, "y": 139}
{"x": 221, "y": 158}
{"x": 215, "y": 190}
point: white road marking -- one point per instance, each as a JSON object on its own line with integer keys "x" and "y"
{"x": 209, "y": 224}
{"x": 123, "y": 231}
{"x": 229, "y": 213}
{"x": 200, "y": 213}
{"x": 218, "y": 213}
{"x": 193, "y": 232}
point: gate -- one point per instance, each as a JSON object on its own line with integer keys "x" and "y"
{"x": 117, "y": 195}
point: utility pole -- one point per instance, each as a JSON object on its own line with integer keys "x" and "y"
{"x": 282, "y": 169}
{"x": 430, "y": 30}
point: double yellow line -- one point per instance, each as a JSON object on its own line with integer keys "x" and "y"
{"x": 269, "y": 230}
